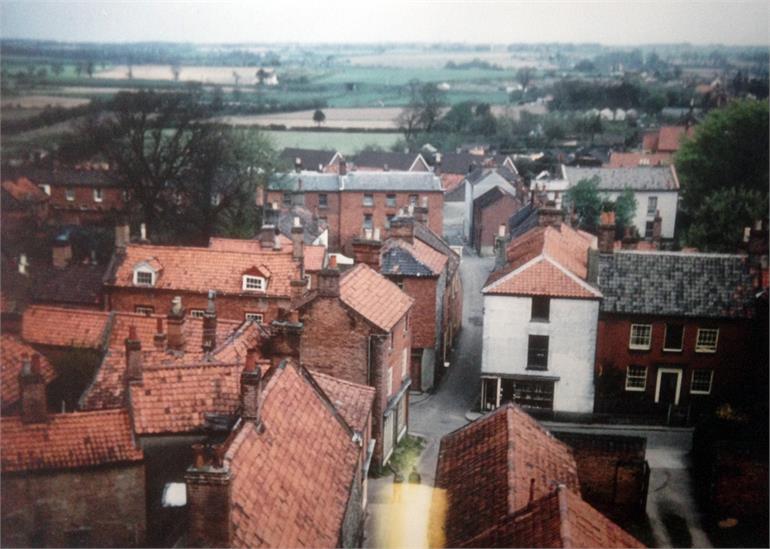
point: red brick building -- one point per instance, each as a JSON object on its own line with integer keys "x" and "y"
{"x": 423, "y": 265}
{"x": 674, "y": 330}
{"x": 504, "y": 481}
{"x": 356, "y": 326}
{"x": 14, "y": 355}
{"x": 351, "y": 202}
{"x": 25, "y": 206}
{"x": 491, "y": 210}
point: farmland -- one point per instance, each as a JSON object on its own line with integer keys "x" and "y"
{"x": 345, "y": 142}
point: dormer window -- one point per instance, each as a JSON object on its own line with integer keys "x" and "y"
{"x": 254, "y": 283}
{"x": 146, "y": 273}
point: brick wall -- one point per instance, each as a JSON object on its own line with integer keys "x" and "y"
{"x": 84, "y": 209}
{"x": 231, "y": 307}
{"x": 487, "y": 220}
{"x": 423, "y": 290}
{"x": 42, "y": 509}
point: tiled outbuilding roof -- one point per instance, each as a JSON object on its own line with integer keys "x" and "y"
{"x": 77, "y": 284}
{"x": 12, "y": 351}
{"x": 670, "y": 137}
{"x": 641, "y": 178}
{"x": 399, "y": 257}
{"x": 636, "y": 159}
{"x": 493, "y": 466}
{"x": 23, "y": 190}
{"x": 291, "y": 477}
{"x": 200, "y": 269}
{"x": 56, "y": 326}
{"x": 675, "y": 283}
{"x": 373, "y": 296}
{"x": 314, "y": 254}
{"x": 79, "y": 439}
{"x": 353, "y": 401}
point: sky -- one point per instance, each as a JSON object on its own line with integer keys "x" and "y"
{"x": 617, "y": 22}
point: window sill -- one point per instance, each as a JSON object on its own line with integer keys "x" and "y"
{"x": 706, "y": 351}
{"x": 636, "y": 389}
{"x": 706, "y": 393}
{"x": 537, "y": 368}
{"x": 673, "y": 350}
{"x": 639, "y": 349}
{"x": 540, "y": 320}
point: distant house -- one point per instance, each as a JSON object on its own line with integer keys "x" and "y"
{"x": 636, "y": 159}
{"x": 673, "y": 330}
{"x": 540, "y": 315}
{"x": 389, "y": 161}
{"x": 311, "y": 159}
{"x": 25, "y": 206}
{"x": 483, "y": 216}
{"x": 656, "y": 190}
{"x": 666, "y": 140}
{"x": 504, "y": 481}
{"x": 15, "y": 355}
{"x": 453, "y": 167}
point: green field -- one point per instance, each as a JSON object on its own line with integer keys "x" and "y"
{"x": 345, "y": 142}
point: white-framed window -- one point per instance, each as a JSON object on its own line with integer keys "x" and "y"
{"x": 98, "y": 195}
{"x": 636, "y": 378}
{"x": 644, "y": 161}
{"x": 368, "y": 200}
{"x": 368, "y": 221}
{"x": 404, "y": 363}
{"x": 196, "y": 313}
{"x": 641, "y": 335}
{"x": 390, "y": 200}
{"x": 701, "y": 382}
{"x": 46, "y": 189}
{"x": 323, "y": 200}
{"x": 706, "y": 342}
{"x": 69, "y": 194}
{"x": 255, "y": 317}
{"x": 390, "y": 381}
{"x": 253, "y": 283}
{"x": 674, "y": 337}
{"x": 144, "y": 277}
{"x": 652, "y": 205}
{"x": 144, "y": 309}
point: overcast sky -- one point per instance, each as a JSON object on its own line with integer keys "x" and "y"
{"x": 616, "y": 22}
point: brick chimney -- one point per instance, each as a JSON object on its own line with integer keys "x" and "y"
{"x": 133, "y": 355}
{"x": 367, "y": 249}
{"x": 402, "y": 228}
{"x": 267, "y": 236}
{"x": 550, "y": 215}
{"x": 298, "y": 164}
{"x": 343, "y": 169}
{"x": 630, "y": 239}
{"x": 176, "y": 322}
{"x": 500, "y": 245}
{"x": 160, "y": 337}
{"x": 210, "y": 324}
{"x": 251, "y": 386}
{"x": 657, "y": 227}
{"x": 421, "y": 211}
{"x": 437, "y": 163}
{"x": 297, "y": 240}
{"x": 61, "y": 252}
{"x": 208, "y": 482}
{"x": 122, "y": 233}
{"x": 329, "y": 279}
{"x": 606, "y": 235}
{"x": 32, "y": 391}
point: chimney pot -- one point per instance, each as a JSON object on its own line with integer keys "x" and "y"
{"x": 251, "y": 386}
{"x": 210, "y": 324}
{"x": 606, "y": 231}
{"x": 332, "y": 261}
{"x": 176, "y": 325}
{"x": 329, "y": 279}
{"x": 133, "y": 355}
{"x": 23, "y": 264}
{"x": 199, "y": 455}
{"x": 143, "y": 232}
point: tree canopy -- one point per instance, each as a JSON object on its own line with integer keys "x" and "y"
{"x": 723, "y": 172}
{"x": 584, "y": 197}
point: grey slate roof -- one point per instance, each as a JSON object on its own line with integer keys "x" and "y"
{"x": 311, "y": 158}
{"x": 617, "y": 179}
{"x": 398, "y": 261}
{"x": 313, "y": 228}
{"x": 60, "y": 177}
{"x": 675, "y": 284}
{"x": 357, "y": 181}
{"x": 379, "y": 159}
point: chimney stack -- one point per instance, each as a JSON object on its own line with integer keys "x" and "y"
{"x": 23, "y": 264}
{"x": 367, "y": 249}
{"x": 133, "y": 355}
{"x": 298, "y": 164}
{"x": 267, "y": 236}
{"x": 210, "y": 324}
{"x": 208, "y": 482}
{"x": 343, "y": 169}
{"x": 500, "y": 244}
{"x": 160, "y": 337}
{"x": 402, "y": 228}
{"x": 62, "y": 252}
{"x": 176, "y": 321}
{"x": 143, "y": 234}
{"x": 630, "y": 239}
{"x": 251, "y": 386}
{"x": 606, "y": 232}
{"x": 32, "y": 391}
{"x": 297, "y": 240}
{"x": 329, "y": 279}
{"x": 122, "y": 233}
{"x": 550, "y": 215}
{"x": 437, "y": 163}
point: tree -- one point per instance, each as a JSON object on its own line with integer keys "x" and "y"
{"x": 57, "y": 68}
{"x": 319, "y": 117}
{"x": 90, "y": 69}
{"x": 176, "y": 70}
{"x": 625, "y": 209}
{"x": 584, "y": 197}
{"x": 423, "y": 111}
{"x": 524, "y": 75}
{"x": 723, "y": 172}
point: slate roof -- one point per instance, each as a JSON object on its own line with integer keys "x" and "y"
{"x": 12, "y": 352}
{"x": 76, "y": 284}
{"x": 79, "y": 439}
{"x": 196, "y": 269}
{"x": 60, "y": 177}
{"x": 303, "y": 459}
{"x": 395, "y": 161}
{"x": 373, "y": 296}
{"x": 675, "y": 284}
{"x": 641, "y": 178}
{"x": 358, "y": 181}
{"x": 459, "y": 163}
{"x": 487, "y": 470}
{"x": 59, "y": 327}
{"x": 399, "y": 257}
{"x": 353, "y": 401}
{"x": 311, "y": 158}
{"x": 312, "y": 225}
{"x": 523, "y": 220}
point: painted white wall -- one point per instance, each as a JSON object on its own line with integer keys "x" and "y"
{"x": 667, "y": 202}
{"x": 571, "y": 346}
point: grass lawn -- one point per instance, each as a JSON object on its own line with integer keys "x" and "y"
{"x": 345, "y": 142}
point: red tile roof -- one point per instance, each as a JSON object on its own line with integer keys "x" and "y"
{"x": 24, "y": 190}
{"x": 12, "y": 349}
{"x": 670, "y": 137}
{"x": 314, "y": 254}
{"x": 200, "y": 269}
{"x": 428, "y": 256}
{"x": 61, "y": 327}
{"x": 79, "y": 439}
{"x": 291, "y": 480}
{"x": 499, "y": 477}
{"x": 545, "y": 261}
{"x": 373, "y": 296}
{"x": 636, "y": 159}
{"x": 353, "y": 401}
{"x": 450, "y": 181}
